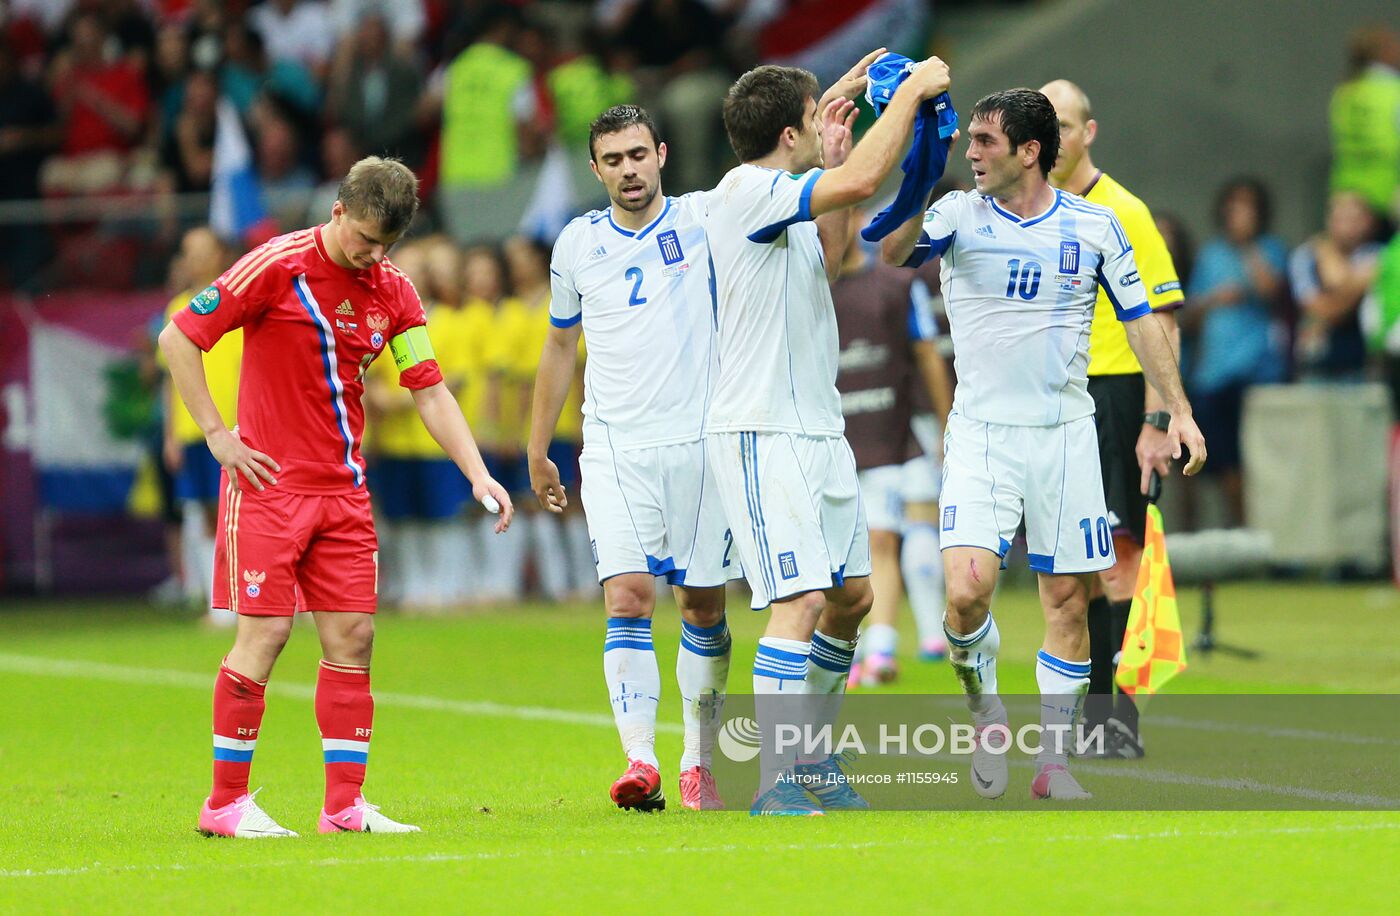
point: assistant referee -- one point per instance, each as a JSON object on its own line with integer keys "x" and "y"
{"x": 1131, "y": 417}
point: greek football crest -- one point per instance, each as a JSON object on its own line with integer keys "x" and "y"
{"x": 205, "y": 301}
{"x": 378, "y": 325}
{"x": 1069, "y": 257}
{"x": 670, "y": 245}
{"x": 255, "y": 580}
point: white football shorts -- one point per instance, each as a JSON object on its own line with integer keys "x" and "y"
{"x": 795, "y": 509}
{"x": 656, "y": 510}
{"x": 993, "y": 475}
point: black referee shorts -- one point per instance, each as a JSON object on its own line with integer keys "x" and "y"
{"x": 1118, "y": 412}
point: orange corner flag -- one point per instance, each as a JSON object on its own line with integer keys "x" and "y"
{"x": 1154, "y": 651}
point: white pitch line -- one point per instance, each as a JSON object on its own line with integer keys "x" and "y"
{"x": 157, "y": 677}
{"x": 51, "y": 667}
{"x": 431, "y": 858}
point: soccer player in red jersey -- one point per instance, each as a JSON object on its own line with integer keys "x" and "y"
{"x": 316, "y": 307}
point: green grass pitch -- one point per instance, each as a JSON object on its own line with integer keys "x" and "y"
{"x": 492, "y": 732}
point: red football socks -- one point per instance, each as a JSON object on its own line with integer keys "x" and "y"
{"x": 238, "y": 711}
{"x": 345, "y": 714}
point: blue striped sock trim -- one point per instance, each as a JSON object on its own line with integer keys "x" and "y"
{"x": 708, "y": 641}
{"x": 1060, "y": 666}
{"x": 232, "y": 756}
{"x": 346, "y": 757}
{"x": 629, "y": 633}
{"x": 779, "y": 664}
{"x": 962, "y": 642}
{"x": 829, "y": 655}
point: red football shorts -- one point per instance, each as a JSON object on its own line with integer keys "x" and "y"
{"x": 274, "y": 547}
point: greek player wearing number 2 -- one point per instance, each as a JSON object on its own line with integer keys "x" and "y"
{"x": 634, "y": 279}
{"x": 1022, "y": 265}
{"x": 316, "y": 307}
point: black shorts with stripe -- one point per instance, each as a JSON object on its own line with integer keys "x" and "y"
{"x": 1118, "y": 403}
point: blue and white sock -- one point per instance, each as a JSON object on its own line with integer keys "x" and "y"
{"x": 780, "y": 666}
{"x": 779, "y": 682}
{"x": 1062, "y": 688}
{"x": 826, "y": 683}
{"x": 879, "y": 639}
{"x": 831, "y": 664}
{"x": 974, "y": 660}
{"x": 634, "y": 684}
{"x": 702, "y": 671}
{"x": 921, "y": 564}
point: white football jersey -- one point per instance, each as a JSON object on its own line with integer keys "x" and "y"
{"x": 647, "y": 307}
{"x": 1019, "y": 295}
{"x": 777, "y": 326}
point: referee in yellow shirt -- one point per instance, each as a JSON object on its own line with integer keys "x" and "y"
{"x": 1131, "y": 417}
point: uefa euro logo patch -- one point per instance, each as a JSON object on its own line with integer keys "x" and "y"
{"x": 1069, "y": 257}
{"x": 670, "y": 246}
{"x": 205, "y": 301}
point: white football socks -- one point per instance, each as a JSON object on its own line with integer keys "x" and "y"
{"x": 1062, "y": 688}
{"x": 702, "y": 670}
{"x": 634, "y": 685}
{"x": 974, "y": 660}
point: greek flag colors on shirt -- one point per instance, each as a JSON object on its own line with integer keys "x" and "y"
{"x": 311, "y": 329}
{"x": 1020, "y": 295}
{"x": 645, "y": 301}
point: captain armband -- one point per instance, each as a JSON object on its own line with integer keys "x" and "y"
{"x": 411, "y": 348}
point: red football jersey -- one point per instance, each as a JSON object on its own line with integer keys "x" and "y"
{"x": 310, "y": 330}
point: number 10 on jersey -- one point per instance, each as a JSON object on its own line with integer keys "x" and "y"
{"x": 1024, "y": 279}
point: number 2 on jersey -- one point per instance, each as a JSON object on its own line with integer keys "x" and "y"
{"x": 1024, "y": 279}
{"x": 635, "y": 275}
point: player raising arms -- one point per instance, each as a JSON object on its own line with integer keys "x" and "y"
{"x": 634, "y": 280}
{"x": 786, "y": 476}
{"x": 316, "y": 307}
{"x": 1022, "y": 264}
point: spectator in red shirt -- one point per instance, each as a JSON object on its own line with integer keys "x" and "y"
{"x": 103, "y": 104}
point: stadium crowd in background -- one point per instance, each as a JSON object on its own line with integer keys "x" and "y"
{"x": 490, "y": 103}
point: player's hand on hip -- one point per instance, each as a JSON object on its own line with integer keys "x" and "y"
{"x": 549, "y": 489}
{"x": 1184, "y": 432}
{"x": 1154, "y": 453}
{"x": 931, "y": 78}
{"x": 237, "y": 458}
{"x": 495, "y": 498}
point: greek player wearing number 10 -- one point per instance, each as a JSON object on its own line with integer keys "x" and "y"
{"x": 634, "y": 279}
{"x": 1022, "y": 266}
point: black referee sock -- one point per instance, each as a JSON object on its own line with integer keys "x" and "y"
{"x": 1124, "y": 709}
{"x": 1098, "y": 705}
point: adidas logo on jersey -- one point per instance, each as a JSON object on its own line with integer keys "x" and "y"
{"x": 345, "y": 308}
{"x": 986, "y": 231}
{"x": 597, "y": 253}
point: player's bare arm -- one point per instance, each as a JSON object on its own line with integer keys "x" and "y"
{"x": 1153, "y": 450}
{"x": 1152, "y": 346}
{"x": 186, "y": 362}
{"x": 835, "y": 228}
{"x": 443, "y": 419}
{"x": 938, "y": 381}
{"x": 896, "y": 247}
{"x": 552, "y": 382}
{"x": 883, "y": 146}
